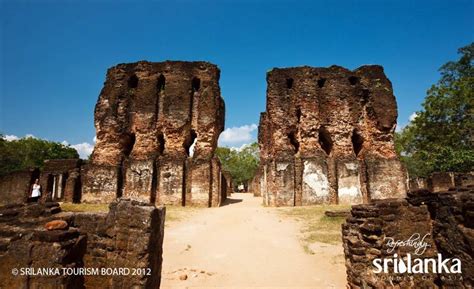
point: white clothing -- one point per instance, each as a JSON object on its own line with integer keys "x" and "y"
{"x": 36, "y": 191}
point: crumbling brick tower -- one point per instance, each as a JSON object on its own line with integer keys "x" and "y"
{"x": 157, "y": 127}
{"x": 327, "y": 137}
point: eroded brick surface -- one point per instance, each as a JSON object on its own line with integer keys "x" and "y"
{"x": 157, "y": 128}
{"x": 327, "y": 137}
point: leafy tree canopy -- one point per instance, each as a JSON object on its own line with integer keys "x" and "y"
{"x": 441, "y": 137}
{"x": 241, "y": 164}
{"x": 30, "y": 152}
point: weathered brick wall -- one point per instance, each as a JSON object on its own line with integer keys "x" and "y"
{"x": 25, "y": 244}
{"x": 60, "y": 180}
{"x": 327, "y": 137}
{"x": 16, "y": 187}
{"x": 446, "y": 217}
{"x": 129, "y": 236}
{"x": 443, "y": 181}
{"x": 147, "y": 118}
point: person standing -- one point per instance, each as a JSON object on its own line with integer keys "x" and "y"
{"x": 36, "y": 191}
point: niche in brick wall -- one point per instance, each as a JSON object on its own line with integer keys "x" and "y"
{"x": 321, "y": 82}
{"x": 357, "y": 141}
{"x": 294, "y": 141}
{"x": 289, "y": 83}
{"x": 325, "y": 140}
{"x": 160, "y": 85}
{"x": 353, "y": 80}
{"x": 128, "y": 141}
{"x": 161, "y": 143}
{"x": 133, "y": 81}
{"x": 298, "y": 114}
{"x": 195, "y": 84}
{"x": 190, "y": 142}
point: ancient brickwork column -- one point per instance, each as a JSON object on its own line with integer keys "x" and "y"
{"x": 156, "y": 123}
{"x": 327, "y": 137}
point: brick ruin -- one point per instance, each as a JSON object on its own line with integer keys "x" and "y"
{"x": 61, "y": 180}
{"x": 16, "y": 187}
{"x": 327, "y": 137}
{"x": 447, "y": 218}
{"x": 157, "y": 126}
{"x": 90, "y": 240}
{"x": 442, "y": 181}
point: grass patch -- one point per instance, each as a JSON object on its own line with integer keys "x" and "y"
{"x": 178, "y": 213}
{"x": 95, "y": 208}
{"x": 316, "y": 226}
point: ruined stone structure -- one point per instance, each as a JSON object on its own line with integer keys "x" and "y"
{"x": 16, "y": 187}
{"x": 61, "y": 180}
{"x": 157, "y": 127}
{"x": 327, "y": 137}
{"x": 129, "y": 236}
{"x": 447, "y": 220}
{"x": 443, "y": 181}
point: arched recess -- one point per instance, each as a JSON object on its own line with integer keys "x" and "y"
{"x": 289, "y": 83}
{"x": 325, "y": 140}
{"x": 294, "y": 141}
{"x": 196, "y": 84}
{"x": 160, "y": 85}
{"x": 189, "y": 143}
{"x": 321, "y": 82}
{"x": 128, "y": 141}
{"x": 133, "y": 81}
{"x": 357, "y": 141}
{"x": 161, "y": 143}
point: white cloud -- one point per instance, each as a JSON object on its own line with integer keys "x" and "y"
{"x": 10, "y": 137}
{"x": 84, "y": 149}
{"x": 411, "y": 118}
{"x": 235, "y": 136}
{"x": 241, "y": 147}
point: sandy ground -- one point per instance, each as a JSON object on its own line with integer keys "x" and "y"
{"x": 244, "y": 245}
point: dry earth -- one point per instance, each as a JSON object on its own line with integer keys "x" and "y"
{"x": 245, "y": 245}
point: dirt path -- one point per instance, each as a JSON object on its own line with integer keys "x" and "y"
{"x": 244, "y": 245}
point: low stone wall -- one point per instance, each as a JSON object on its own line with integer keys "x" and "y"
{"x": 129, "y": 236}
{"x": 443, "y": 181}
{"x": 15, "y": 187}
{"x": 445, "y": 222}
{"x": 24, "y": 243}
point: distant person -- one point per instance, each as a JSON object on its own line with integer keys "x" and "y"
{"x": 35, "y": 192}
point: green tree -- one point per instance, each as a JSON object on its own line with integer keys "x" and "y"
{"x": 30, "y": 152}
{"x": 441, "y": 137}
{"x": 241, "y": 164}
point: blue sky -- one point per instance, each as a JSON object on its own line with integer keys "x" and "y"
{"x": 54, "y": 54}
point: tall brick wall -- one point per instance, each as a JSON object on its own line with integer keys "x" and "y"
{"x": 327, "y": 137}
{"x": 147, "y": 118}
